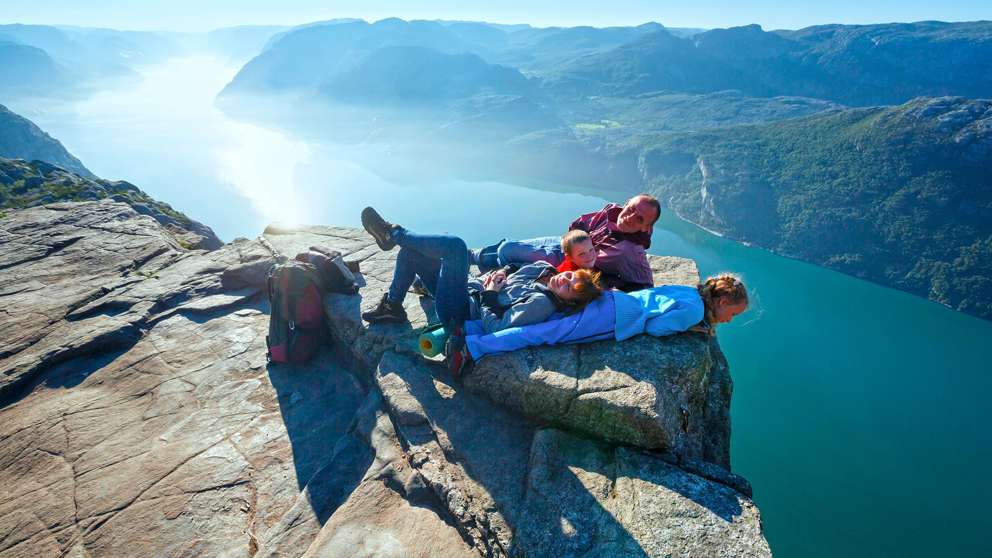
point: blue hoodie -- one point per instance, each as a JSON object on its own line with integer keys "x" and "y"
{"x": 616, "y": 315}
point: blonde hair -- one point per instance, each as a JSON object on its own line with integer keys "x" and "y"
{"x": 571, "y": 238}
{"x": 722, "y": 285}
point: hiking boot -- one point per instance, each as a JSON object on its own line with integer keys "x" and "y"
{"x": 456, "y": 354}
{"x": 386, "y": 312}
{"x": 419, "y": 288}
{"x": 380, "y": 229}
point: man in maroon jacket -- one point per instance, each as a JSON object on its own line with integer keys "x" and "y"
{"x": 621, "y": 234}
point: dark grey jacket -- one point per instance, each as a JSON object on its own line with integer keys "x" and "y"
{"x": 521, "y": 301}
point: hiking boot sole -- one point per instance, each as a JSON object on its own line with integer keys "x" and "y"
{"x": 378, "y": 228}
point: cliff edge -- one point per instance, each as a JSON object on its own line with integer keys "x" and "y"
{"x": 139, "y": 417}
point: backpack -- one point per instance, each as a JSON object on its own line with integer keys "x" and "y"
{"x": 296, "y": 322}
{"x": 336, "y": 275}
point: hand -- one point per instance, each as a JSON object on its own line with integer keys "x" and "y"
{"x": 495, "y": 281}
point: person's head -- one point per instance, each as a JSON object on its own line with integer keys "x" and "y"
{"x": 577, "y": 245}
{"x": 724, "y": 296}
{"x": 639, "y": 214}
{"x": 575, "y": 289}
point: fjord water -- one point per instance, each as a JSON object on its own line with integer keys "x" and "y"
{"x": 860, "y": 413}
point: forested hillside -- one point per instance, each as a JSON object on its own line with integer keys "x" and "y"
{"x": 901, "y": 195}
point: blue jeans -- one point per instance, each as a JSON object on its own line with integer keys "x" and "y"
{"x": 441, "y": 261}
{"x": 544, "y": 249}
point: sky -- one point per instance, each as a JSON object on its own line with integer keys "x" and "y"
{"x": 202, "y": 15}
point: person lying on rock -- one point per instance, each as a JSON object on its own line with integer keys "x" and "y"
{"x": 620, "y": 234}
{"x": 658, "y": 311}
{"x": 499, "y": 299}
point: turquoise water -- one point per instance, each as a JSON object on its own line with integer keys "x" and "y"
{"x": 859, "y": 412}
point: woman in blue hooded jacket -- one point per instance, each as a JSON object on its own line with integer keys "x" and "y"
{"x": 658, "y": 311}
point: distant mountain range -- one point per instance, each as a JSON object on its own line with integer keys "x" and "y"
{"x": 850, "y": 64}
{"x": 62, "y": 61}
{"x": 27, "y": 70}
{"x": 747, "y": 132}
{"x": 69, "y": 57}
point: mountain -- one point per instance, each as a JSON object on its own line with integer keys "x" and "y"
{"x": 29, "y": 184}
{"x": 59, "y": 61}
{"x": 627, "y": 119}
{"x": 404, "y": 75}
{"x": 26, "y": 70}
{"x": 536, "y": 50}
{"x": 92, "y": 51}
{"x": 22, "y": 139}
{"x": 899, "y": 195}
{"x": 892, "y": 63}
{"x": 241, "y": 42}
{"x": 849, "y": 64}
{"x": 411, "y": 95}
{"x": 303, "y": 58}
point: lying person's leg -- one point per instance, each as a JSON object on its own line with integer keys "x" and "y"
{"x": 409, "y": 264}
{"x": 449, "y": 286}
{"x": 441, "y": 261}
{"x": 448, "y": 281}
{"x": 486, "y": 258}
{"x": 543, "y": 249}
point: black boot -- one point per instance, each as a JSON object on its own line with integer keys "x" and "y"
{"x": 386, "y": 312}
{"x": 380, "y": 229}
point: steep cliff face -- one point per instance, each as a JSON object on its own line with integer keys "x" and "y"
{"x": 899, "y": 195}
{"x": 22, "y": 139}
{"x": 139, "y": 417}
{"x": 28, "y": 184}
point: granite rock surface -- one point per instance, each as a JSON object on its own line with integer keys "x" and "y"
{"x": 138, "y": 417}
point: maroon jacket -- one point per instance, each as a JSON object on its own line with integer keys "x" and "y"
{"x": 617, "y": 253}
{"x": 602, "y": 227}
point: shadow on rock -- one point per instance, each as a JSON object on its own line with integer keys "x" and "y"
{"x": 485, "y": 461}
{"x": 587, "y": 498}
{"x": 318, "y": 402}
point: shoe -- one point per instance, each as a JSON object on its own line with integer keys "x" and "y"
{"x": 386, "y": 312}
{"x": 419, "y": 288}
{"x": 380, "y": 229}
{"x": 456, "y": 354}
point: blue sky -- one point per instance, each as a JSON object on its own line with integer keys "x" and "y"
{"x": 199, "y": 15}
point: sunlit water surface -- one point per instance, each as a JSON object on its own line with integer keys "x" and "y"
{"x": 860, "y": 413}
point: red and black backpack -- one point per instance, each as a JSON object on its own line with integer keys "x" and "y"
{"x": 296, "y": 322}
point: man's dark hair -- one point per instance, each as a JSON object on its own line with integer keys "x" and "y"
{"x": 655, "y": 204}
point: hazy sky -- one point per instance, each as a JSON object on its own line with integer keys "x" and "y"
{"x": 199, "y": 15}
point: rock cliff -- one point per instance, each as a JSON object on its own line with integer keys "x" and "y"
{"x": 139, "y": 417}
{"x": 22, "y": 139}
{"x": 29, "y": 184}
